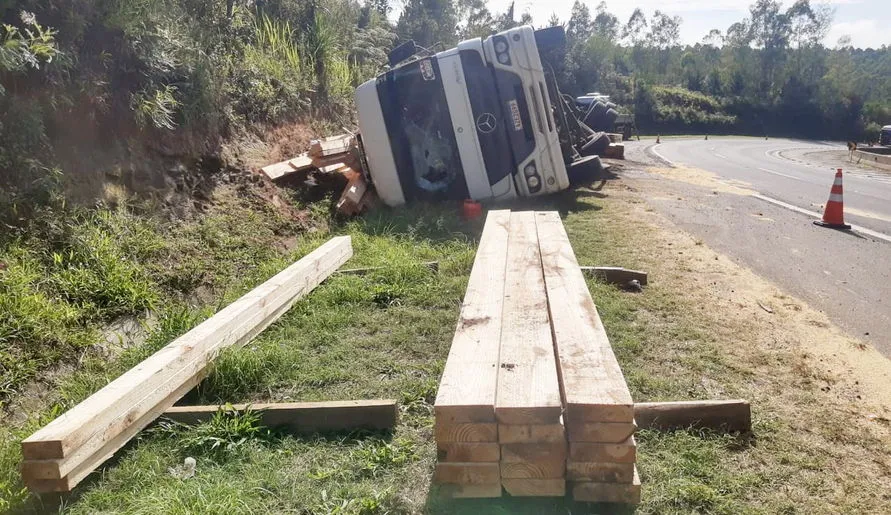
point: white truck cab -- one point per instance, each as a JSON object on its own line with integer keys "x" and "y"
{"x": 473, "y": 122}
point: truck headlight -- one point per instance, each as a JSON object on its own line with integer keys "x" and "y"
{"x": 501, "y": 46}
{"x": 503, "y": 58}
{"x": 533, "y": 182}
{"x": 529, "y": 170}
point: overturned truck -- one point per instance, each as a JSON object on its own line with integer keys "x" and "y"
{"x": 484, "y": 120}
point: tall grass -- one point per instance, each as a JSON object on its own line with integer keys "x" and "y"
{"x": 276, "y": 37}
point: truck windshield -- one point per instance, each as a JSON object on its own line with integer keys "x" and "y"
{"x": 416, "y": 115}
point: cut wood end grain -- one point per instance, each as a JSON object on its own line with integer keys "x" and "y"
{"x": 535, "y": 487}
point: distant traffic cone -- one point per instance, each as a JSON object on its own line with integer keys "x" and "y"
{"x": 657, "y": 139}
{"x": 834, "y": 213}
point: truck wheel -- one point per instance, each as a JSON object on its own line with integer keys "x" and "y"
{"x": 584, "y": 171}
{"x": 596, "y": 145}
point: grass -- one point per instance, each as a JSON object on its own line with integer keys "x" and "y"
{"x": 386, "y": 334}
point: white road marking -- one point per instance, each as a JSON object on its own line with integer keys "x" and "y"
{"x": 814, "y": 214}
{"x": 653, "y": 148}
{"x": 720, "y": 155}
{"x": 781, "y": 174}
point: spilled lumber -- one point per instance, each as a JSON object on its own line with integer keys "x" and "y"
{"x": 302, "y": 417}
{"x": 67, "y": 449}
{"x": 592, "y": 383}
{"x": 467, "y": 389}
{"x": 528, "y": 390}
{"x": 730, "y": 415}
{"x": 616, "y": 274}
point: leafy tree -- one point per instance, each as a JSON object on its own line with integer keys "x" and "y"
{"x": 429, "y": 22}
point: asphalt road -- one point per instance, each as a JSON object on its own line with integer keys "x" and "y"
{"x": 845, "y": 274}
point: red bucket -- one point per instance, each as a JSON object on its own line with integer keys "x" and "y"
{"x": 471, "y": 209}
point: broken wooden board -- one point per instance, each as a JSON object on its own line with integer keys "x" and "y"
{"x": 518, "y": 487}
{"x": 302, "y": 417}
{"x": 625, "y": 452}
{"x": 331, "y": 145}
{"x": 730, "y": 415}
{"x": 466, "y": 432}
{"x": 592, "y": 383}
{"x": 350, "y": 202}
{"x": 599, "y": 472}
{"x": 531, "y": 433}
{"x": 623, "y": 493}
{"x": 297, "y": 164}
{"x": 468, "y": 451}
{"x": 467, "y": 473}
{"x": 467, "y": 388}
{"x": 94, "y": 429}
{"x": 603, "y": 432}
{"x": 528, "y": 391}
{"x": 615, "y": 151}
{"x": 616, "y": 274}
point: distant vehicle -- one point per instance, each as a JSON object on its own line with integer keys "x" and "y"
{"x": 885, "y": 136}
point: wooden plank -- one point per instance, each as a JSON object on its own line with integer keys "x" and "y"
{"x": 528, "y": 391}
{"x": 532, "y": 452}
{"x": 615, "y": 274}
{"x": 466, "y": 432}
{"x": 303, "y": 417}
{"x": 535, "y": 487}
{"x": 79, "y": 433}
{"x": 531, "y": 433}
{"x": 432, "y": 265}
{"x": 602, "y": 432}
{"x": 468, "y": 452}
{"x": 469, "y": 491}
{"x": 467, "y": 473}
{"x": 467, "y": 388}
{"x": 730, "y": 415}
{"x": 624, "y": 493}
{"x": 296, "y": 164}
{"x": 543, "y": 467}
{"x": 625, "y": 452}
{"x": 331, "y": 145}
{"x": 600, "y": 472}
{"x": 592, "y": 383}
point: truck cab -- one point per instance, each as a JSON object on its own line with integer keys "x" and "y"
{"x": 474, "y": 121}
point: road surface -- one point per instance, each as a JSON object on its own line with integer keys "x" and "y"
{"x": 755, "y": 200}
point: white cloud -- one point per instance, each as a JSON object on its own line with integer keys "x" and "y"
{"x": 864, "y": 33}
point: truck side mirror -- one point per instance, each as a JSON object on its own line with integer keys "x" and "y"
{"x": 402, "y": 52}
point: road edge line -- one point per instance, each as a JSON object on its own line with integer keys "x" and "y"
{"x": 814, "y": 214}
{"x": 660, "y": 156}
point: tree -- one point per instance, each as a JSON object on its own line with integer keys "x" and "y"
{"x": 429, "y": 22}
{"x": 579, "y": 26}
{"x": 635, "y": 29}
{"x": 665, "y": 30}
{"x": 605, "y": 23}
{"x": 475, "y": 20}
{"x": 713, "y": 38}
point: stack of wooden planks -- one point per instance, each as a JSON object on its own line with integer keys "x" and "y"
{"x": 598, "y": 409}
{"x": 65, "y": 451}
{"x": 531, "y": 395}
{"x": 332, "y": 155}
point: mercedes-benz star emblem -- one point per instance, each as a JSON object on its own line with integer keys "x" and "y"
{"x": 486, "y": 123}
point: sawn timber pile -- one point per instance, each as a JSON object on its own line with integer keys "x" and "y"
{"x": 532, "y": 395}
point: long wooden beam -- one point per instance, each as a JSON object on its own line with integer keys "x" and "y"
{"x": 302, "y": 417}
{"x": 90, "y": 432}
{"x": 528, "y": 388}
{"x": 592, "y": 383}
{"x": 467, "y": 389}
{"x": 729, "y": 415}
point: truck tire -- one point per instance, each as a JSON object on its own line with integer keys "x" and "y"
{"x": 584, "y": 171}
{"x": 596, "y": 110}
{"x": 596, "y": 145}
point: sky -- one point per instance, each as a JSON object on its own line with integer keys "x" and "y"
{"x": 868, "y": 22}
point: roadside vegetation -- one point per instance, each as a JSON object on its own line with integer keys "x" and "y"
{"x": 386, "y": 335}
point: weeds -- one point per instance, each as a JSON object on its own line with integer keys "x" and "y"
{"x": 227, "y": 432}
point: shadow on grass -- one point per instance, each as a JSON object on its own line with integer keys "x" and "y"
{"x": 440, "y": 504}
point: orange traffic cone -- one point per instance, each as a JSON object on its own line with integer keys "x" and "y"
{"x": 834, "y": 213}
{"x": 657, "y": 138}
